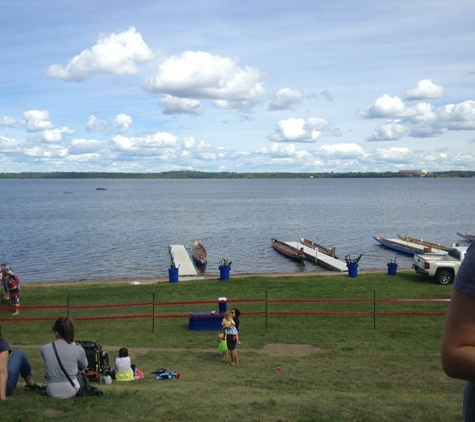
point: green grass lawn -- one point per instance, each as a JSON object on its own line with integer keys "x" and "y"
{"x": 363, "y": 369}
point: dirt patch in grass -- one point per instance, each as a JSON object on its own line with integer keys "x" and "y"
{"x": 280, "y": 349}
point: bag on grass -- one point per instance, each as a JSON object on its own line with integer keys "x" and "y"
{"x": 223, "y": 346}
{"x": 85, "y": 388}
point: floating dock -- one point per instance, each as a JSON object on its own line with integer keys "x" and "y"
{"x": 320, "y": 258}
{"x": 182, "y": 261}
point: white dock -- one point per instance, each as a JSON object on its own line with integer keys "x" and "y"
{"x": 182, "y": 261}
{"x": 320, "y": 258}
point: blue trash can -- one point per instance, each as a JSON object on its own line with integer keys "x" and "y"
{"x": 173, "y": 275}
{"x": 223, "y": 305}
{"x": 352, "y": 270}
{"x": 224, "y": 272}
{"x": 392, "y": 268}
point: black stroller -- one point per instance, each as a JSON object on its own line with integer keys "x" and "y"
{"x": 97, "y": 360}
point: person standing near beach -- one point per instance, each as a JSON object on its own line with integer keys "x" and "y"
{"x": 5, "y": 281}
{"x": 14, "y": 288}
{"x": 231, "y": 331}
{"x": 458, "y": 340}
{"x": 235, "y": 314}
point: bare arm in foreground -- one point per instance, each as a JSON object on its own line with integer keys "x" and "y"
{"x": 458, "y": 340}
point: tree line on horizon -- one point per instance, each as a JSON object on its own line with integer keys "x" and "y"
{"x": 190, "y": 174}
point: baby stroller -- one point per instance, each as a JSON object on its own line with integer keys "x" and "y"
{"x": 97, "y": 360}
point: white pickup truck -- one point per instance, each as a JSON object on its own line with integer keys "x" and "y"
{"x": 443, "y": 267}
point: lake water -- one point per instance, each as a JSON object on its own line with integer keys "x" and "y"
{"x": 56, "y": 230}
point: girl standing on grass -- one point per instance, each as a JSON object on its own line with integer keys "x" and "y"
{"x": 229, "y": 328}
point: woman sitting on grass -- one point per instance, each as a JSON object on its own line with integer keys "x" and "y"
{"x": 11, "y": 369}
{"x": 72, "y": 357}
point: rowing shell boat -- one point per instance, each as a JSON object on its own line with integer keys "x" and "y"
{"x": 198, "y": 253}
{"x": 319, "y": 248}
{"x": 422, "y": 242}
{"x": 287, "y": 250}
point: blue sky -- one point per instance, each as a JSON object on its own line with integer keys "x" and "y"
{"x": 218, "y": 85}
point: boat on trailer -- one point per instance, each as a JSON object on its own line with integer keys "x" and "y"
{"x": 467, "y": 236}
{"x": 407, "y": 247}
{"x": 319, "y": 248}
{"x": 198, "y": 253}
{"x": 422, "y": 242}
{"x": 291, "y": 252}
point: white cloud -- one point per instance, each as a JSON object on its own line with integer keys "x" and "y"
{"x": 393, "y": 154}
{"x": 425, "y": 90}
{"x": 286, "y": 99}
{"x": 52, "y": 151}
{"x": 201, "y": 75}
{"x": 85, "y": 146}
{"x": 342, "y": 151}
{"x": 299, "y": 130}
{"x": 391, "y": 131}
{"x": 175, "y": 105}
{"x": 95, "y": 125}
{"x": 157, "y": 140}
{"x": 56, "y": 135}
{"x": 117, "y": 54}
{"x": 385, "y": 106}
{"x": 457, "y": 116}
{"x": 37, "y": 120}
{"x": 7, "y": 121}
{"x": 122, "y": 122}
{"x": 276, "y": 150}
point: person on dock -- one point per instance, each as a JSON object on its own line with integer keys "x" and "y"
{"x": 458, "y": 340}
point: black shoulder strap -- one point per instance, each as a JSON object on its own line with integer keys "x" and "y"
{"x": 61, "y": 366}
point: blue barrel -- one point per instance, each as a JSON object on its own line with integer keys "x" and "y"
{"x": 392, "y": 268}
{"x": 352, "y": 270}
{"x": 173, "y": 275}
{"x": 223, "y": 305}
{"x": 224, "y": 272}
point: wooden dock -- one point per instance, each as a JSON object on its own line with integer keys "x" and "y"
{"x": 182, "y": 261}
{"x": 320, "y": 258}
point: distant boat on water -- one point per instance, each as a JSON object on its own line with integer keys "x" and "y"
{"x": 101, "y": 188}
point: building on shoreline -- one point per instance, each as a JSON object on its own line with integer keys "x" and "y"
{"x": 413, "y": 173}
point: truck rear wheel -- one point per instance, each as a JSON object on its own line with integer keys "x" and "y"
{"x": 444, "y": 277}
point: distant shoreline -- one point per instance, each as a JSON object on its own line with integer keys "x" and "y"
{"x": 231, "y": 175}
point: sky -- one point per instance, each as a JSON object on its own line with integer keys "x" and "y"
{"x": 237, "y": 86}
